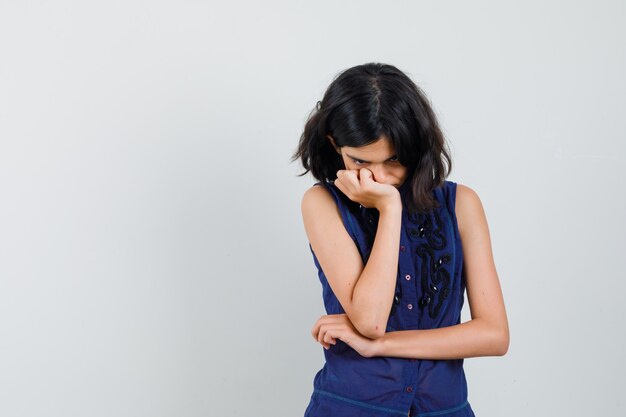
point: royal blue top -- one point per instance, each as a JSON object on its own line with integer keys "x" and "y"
{"x": 429, "y": 294}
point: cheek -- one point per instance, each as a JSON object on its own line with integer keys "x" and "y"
{"x": 400, "y": 172}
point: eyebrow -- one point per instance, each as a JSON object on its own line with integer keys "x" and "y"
{"x": 363, "y": 160}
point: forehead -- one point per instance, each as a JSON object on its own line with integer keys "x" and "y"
{"x": 381, "y": 149}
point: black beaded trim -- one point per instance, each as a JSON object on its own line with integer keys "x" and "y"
{"x": 435, "y": 279}
{"x": 433, "y": 233}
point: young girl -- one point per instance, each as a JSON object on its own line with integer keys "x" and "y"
{"x": 396, "y": 246}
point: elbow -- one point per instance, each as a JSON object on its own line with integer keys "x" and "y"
{"x": 495, "y": 336}
{"x": 375, "y": 331}
{"x": 368, "y": 325}
{"x": 374, "y": 334}
{"x": 501, "y": 342}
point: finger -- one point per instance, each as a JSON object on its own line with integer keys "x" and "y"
{"x": 320, "y": 335}
{"x": 342, "y": 174}
{"x": 365, "y": 176}
{"x": 340, "y": 180}
{"x": 316, "y": 328}
{"x": 350, "y": 177}
{"x": 330, "y": 335}
{"x": 326, "y": 338}
{"x": 332, "y": 318}
{"x": 339, "y": 184}
{"x": 327, "y": 345}
{"x": 344, "y": 186}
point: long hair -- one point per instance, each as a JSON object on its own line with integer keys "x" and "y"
{"x": 362, "y": 104}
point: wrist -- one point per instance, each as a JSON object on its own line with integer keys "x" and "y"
{"x": 377, "y": 346}
{"x": 393, "y": 205}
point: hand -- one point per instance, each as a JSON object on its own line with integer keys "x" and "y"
{"x": 331, "y": 327}
{"x": 360, "y": 186}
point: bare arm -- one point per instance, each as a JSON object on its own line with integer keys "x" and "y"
{"x": 487, "y": 333}
{"x": 364, "y": 291}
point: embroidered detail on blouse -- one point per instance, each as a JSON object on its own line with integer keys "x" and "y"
{"x": 435, "y": 281}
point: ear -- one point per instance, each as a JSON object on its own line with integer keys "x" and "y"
{"x": 332, "y": 142}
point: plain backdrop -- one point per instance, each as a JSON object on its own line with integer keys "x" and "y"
{"x": 153, "y": 260}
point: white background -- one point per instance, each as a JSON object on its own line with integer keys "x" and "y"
{"x": 153, "y": 260}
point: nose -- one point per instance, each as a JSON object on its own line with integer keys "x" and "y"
{"x": 379, "y": 172}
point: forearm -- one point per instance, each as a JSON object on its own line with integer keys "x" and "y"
{"x": 373, "y": 292}
{"x": 474, "y": 338}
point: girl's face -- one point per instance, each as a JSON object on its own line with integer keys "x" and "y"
{"x": 379, "y": 157}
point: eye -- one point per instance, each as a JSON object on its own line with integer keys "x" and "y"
{"x": 357, "y": 161}
{"x": 393, "y": 159}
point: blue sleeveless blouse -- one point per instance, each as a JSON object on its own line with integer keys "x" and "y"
{"x": 429, "y": 294}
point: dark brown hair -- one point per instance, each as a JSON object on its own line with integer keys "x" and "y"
{"x": 362, "y": 104}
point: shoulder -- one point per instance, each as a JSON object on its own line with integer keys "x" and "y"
{"x": 468, "y": 208}
{"x": 315, "y": 197}
{"x": 465, "y": 195}
{"x": 319, "y": 204}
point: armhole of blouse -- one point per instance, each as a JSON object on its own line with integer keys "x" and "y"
{"x": 452, "y": 188}
{"x": 448, "y": 195}
{"x": 452, "y": 198}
